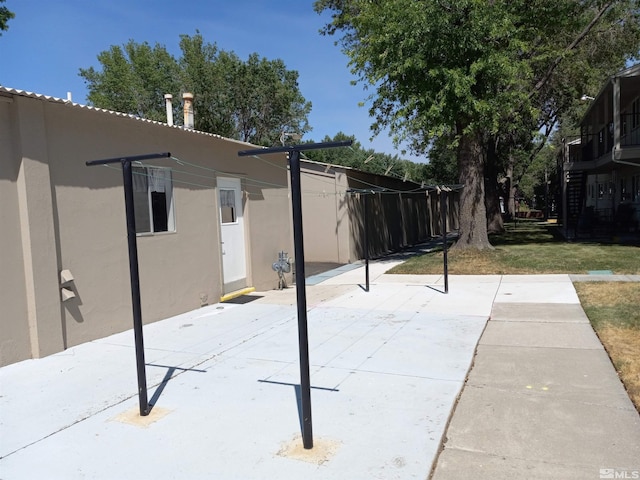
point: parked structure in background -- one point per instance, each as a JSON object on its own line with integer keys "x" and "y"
{"x": 601, "y": 168}
{"x": 209, "y": 224}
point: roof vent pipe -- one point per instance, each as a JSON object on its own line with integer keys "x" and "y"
{"x": 167, "y": 102}
{"x": 188, "y": 109}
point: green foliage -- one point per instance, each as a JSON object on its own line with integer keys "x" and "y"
{"x": 268, "y": 100}
{"x": 367, "y": 160}
{"x": 442, "y": 168}
{"x": 5, "y": 16}
{"x": 133, "y": 79}
{"x": 487, "y": 76}
{"x": 436, "y": 68}
{"x": 253, "y": 100}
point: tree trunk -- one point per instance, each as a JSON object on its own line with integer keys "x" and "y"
{"x": 511, "y": 191}
{"x": 473, "y": 214}
{"x": 492, "y": 193}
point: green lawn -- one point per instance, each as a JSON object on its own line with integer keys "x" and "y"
{"x": 529, "y": 248}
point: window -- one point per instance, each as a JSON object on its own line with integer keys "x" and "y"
{"x": 635, "y": 114}
{"x": 228, "y": 206}
{"x": 635, "y": 188}
{"x": 153, "y": 200}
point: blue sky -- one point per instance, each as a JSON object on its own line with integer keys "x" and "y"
{"x": 48, "y": 41}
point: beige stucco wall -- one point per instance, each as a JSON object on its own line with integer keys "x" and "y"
{"x": 14, "y": 328}
{"x": 326, "y": 220}
{"x": 71, "y": 216}
{"x": 319, "y": 216}
{"x": 269, "y": 216}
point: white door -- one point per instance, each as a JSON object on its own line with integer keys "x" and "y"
{"x": 234, "y": 263}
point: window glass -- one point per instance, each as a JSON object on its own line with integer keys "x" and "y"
{"x": 228, "y": 206}
{"x": 153, "y": 200}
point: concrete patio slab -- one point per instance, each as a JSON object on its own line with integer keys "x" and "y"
{"x": 224, "y": 384}
{"x": 387, "y": 366}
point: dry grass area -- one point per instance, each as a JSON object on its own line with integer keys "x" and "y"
{"x": 613, "y": 309}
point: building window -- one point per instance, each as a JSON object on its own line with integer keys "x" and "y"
{"x": 228, "y": 206}
{"x": 153, "y": 200}
{"x": 635, "y": 188}
{"x": 635, "y": 114}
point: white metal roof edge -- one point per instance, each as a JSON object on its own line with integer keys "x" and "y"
{"x": 48, "y": 98}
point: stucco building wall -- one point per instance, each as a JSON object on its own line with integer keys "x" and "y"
{"x": 60, "y": 214}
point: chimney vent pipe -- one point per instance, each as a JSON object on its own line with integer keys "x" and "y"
{"x": 188, "y": 109}
{"x": 167, "y": 102}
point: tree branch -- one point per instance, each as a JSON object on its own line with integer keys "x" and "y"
{"x": 571, "y": 46}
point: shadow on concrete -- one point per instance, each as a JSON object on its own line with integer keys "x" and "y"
{"x": 243, "y": 299}
{"x": 298, "y": 392}
{"x": 168, "y": 376}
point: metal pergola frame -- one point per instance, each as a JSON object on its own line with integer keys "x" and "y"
{"x": 127, "y": 177}
{"x": 301, "y": 297}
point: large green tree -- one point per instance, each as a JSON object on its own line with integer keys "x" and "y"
{"x": 253, "y": 100}
{"x": 5, "y": 16}
{"x": 471, "y": 71}
{"x": 133, "y": 79}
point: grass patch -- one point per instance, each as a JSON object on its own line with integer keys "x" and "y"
{"x": 529, "y": 248}
{"x": 612, "y": 308}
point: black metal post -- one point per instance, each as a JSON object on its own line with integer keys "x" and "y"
{"x": 127, "y": 176}
{"x": 366, "y": 239}
{"x": 135, "y": 286}
{"x": 443, "y": 216}
{"x": 301, "y": 295}
{"x": 303, "y": 340}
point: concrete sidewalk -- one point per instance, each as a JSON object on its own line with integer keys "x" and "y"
{"x": 386, "y": 369}
{"x": 542, "y": 400}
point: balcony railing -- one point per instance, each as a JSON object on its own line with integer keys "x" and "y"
{"x": 594, "y": 146}
{"x": 630, "y": 130}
